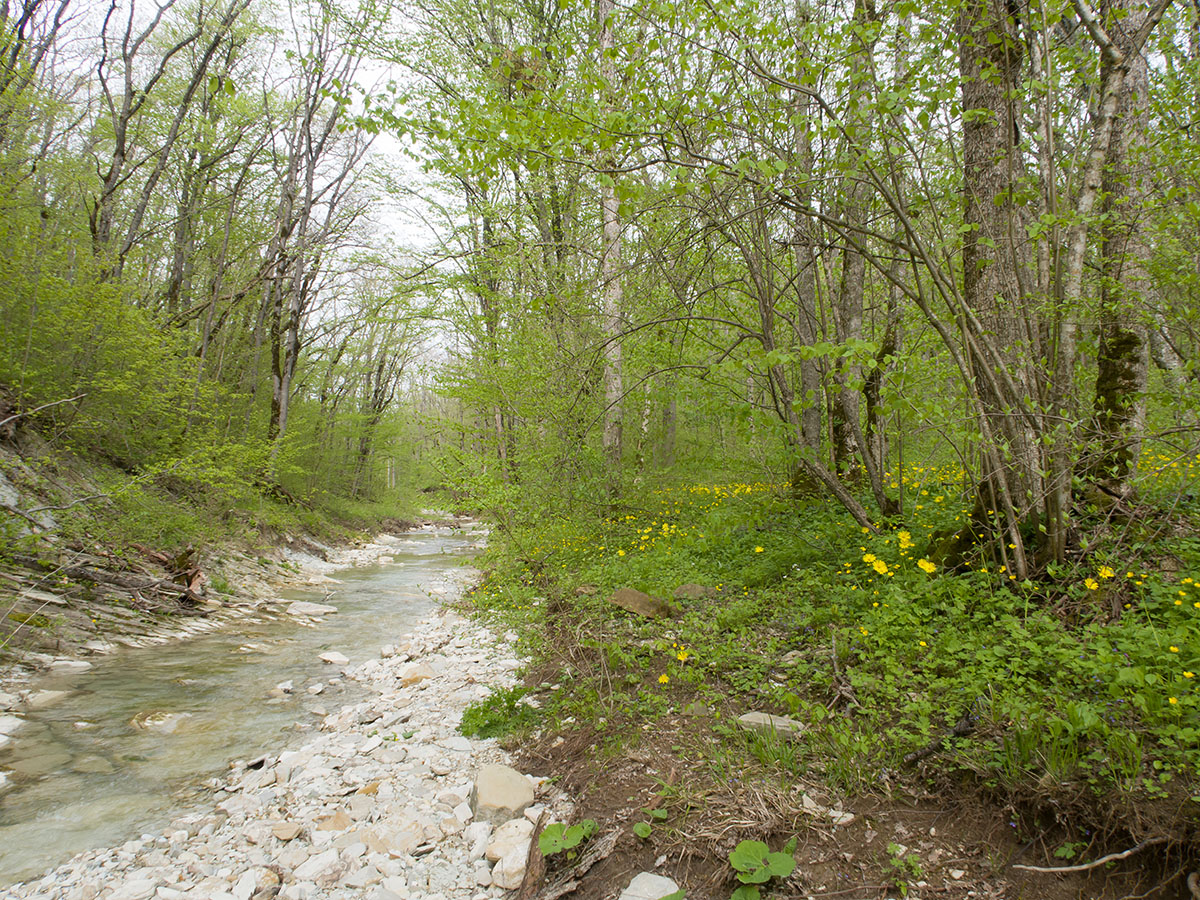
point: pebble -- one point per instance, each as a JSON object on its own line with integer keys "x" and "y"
{"x": 379, "y": 803}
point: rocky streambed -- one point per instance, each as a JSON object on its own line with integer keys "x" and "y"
{"x": 387, "y": 800}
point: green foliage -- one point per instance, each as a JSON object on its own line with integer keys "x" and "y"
{"x": 755, "y": 864}
{"x": 500, "y": 714}
{"x": 905, "y": 866}
{"x": 558, "y": 837}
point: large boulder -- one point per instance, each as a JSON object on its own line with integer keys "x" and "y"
{"x": 642, "y": 604}
{"x": 500, "y": 793}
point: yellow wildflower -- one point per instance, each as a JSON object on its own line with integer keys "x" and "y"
{"x": 1091, "y": 584}
{"x": 758, "y": 549}
{"x": 927, "y": 566}
{"x": 880, "y": 566}
{"x": 1106, "y": 572}
{"x": 663, "y": 679}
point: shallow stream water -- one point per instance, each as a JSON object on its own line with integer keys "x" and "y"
{"x": 82, "y": 775}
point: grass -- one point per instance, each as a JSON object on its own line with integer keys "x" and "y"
{"x": 1081, "y": 684}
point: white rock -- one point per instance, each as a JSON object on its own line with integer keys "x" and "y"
{"x": 45, "y": 699}
{"x": 334, "y": 658}
{"x": 286, "y": 686}
{"x": 9, "y": 724}
{"x": 483, "y": 874}
{"x": 69, "y": 666}
{"x": 317, "y": 865}
{"x": 648, "y": 886}
{"x": 477, "y": 835}
{"x": 511, "y": 835}
{"x": 244, "y": 887}
{"x": 500, "y": 793}
{"x": 135, "y": 889}
{"x": 510, "y": 870}
{"x": 304, "y": 608}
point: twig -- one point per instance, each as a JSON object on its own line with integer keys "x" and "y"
{"x": 72, "y": 503}
{"x": 30, "y": 412}
{"x": 24, "y": 515}
{"x": 962, "y": 728}
{"x": 1083, "y": 867}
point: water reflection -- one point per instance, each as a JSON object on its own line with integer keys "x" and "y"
{"x": 119, "y": 753}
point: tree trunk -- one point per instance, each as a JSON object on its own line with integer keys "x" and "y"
{"x": 1124, "y": 357}
{"x": 610, "y": 273}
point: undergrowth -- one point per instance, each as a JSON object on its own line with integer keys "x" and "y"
{"x": 1078, "y": 685}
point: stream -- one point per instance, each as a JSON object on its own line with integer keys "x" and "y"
{"x": 82, "y": 775}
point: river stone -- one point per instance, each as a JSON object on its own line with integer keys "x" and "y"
{"x": 9, "y": 701}
{"x": 44, "y": 699}
{"x": 765, "y": 722}
{"x": 500, "y": 793}
{"x": 509, "y": 872}
{"x": 477, "y": 835}
{"x": 512, "y": 834}
{"x": 286, "y": 831}
{"x": 334, "y": 658}
{"x": 648, "y": 886}
{"x": 304, "y": 608}
{"x": 5, "y": 740}
{"x": 643, "y": 604}
{"x": 159, "y": 721}
{"x": 43, "y": 763}
{"x": 69, "y": 666}
{"x": 415, "y": 673}
{"x": 9, "y": 724}
{"x": 135, "y": 889}
{"x": 336, "y": 822}
{"x": 93, "y": 765}
{"x": 316, "y": 866}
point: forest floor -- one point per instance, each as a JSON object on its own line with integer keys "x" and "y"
{"x": 937, "y": 734}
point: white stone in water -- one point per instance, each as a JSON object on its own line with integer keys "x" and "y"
{"x": 44, "y": 699}
{"x": 69, "y": 666}
{"x": 304, "y": 608}
{"x": 9, "y": 724}
{"x": 286, "y": 686}
{"x": 334, "y": 658}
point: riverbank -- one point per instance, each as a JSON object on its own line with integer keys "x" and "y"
{"x": 379, "y": 803}
{"x": 62, "y": 634}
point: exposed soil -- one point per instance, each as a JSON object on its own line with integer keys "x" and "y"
{"x": 956, "y": 841}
